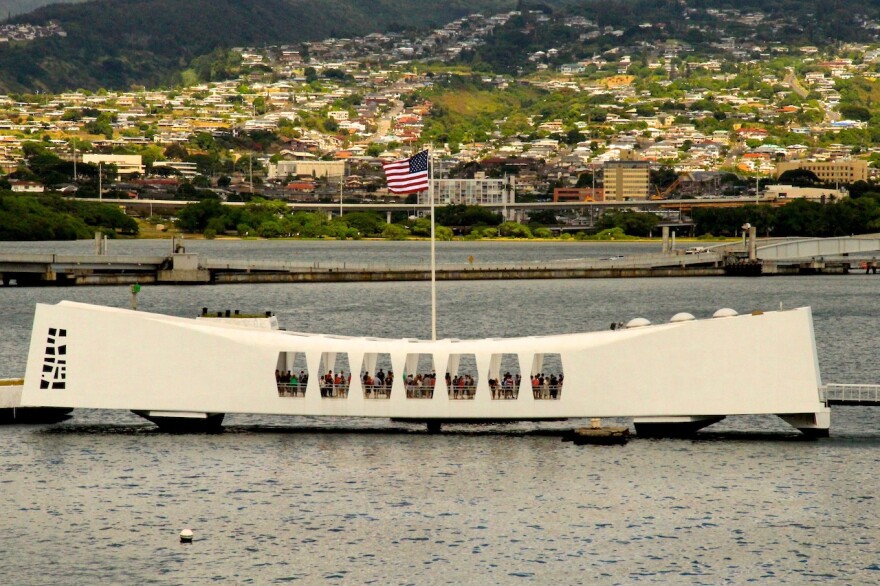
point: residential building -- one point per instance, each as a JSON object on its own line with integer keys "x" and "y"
{"x": 572, "y": 68}
{"x": 626, "y": 180}
{"x": 329, "y": 169}
{"x": 125, "y": 164}
{"x": 814, "y": 193}
{"x": 185, "y": 170}
{"x": 840, "y": 171}
{"x": 18, "y": 186}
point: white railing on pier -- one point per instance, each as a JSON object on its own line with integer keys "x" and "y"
{"x": 865, "y": 394}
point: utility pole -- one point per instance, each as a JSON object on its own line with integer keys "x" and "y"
{"x": 251, "y": 170}
{"x": 100, "y": 183}
{"x": 341, "y": 184}
{"x": 74, "y": 160}
{"x": 757, "y": 183}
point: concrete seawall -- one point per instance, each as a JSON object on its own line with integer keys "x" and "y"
{"x": 344, "y": 276}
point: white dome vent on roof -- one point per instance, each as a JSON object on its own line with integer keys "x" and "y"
{"x": 725, "y": 312}
{"x": 682, "y": 316}
{"x": 637, "y": 322}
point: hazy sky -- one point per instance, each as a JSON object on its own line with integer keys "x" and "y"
{"x": 14, "y": 7}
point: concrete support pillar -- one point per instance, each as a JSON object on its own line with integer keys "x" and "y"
{"x": 100, "y": 244}
{"x": 753, "y": 243}
{"x": 388, "y": 217}
{"x": 666, "y": 249}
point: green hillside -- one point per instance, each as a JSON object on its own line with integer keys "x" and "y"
{"x": 118, "y": 43}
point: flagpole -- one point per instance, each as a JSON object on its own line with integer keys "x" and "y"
{"x": 433, "y": 254}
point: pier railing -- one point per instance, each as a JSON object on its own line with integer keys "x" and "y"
{"x": 843, "y": 394}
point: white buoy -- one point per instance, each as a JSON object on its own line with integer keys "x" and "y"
{"x": 186, "y": 536}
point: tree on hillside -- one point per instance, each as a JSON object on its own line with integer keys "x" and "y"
{"x": 855, "y": 112}
{"x": 195, "y": 217}
{"x": 176, "y": 152}
{"x": 799, "y": 178}
{"x": 463, "y": 215}
{"x": 543, "y": 218}
{"x": 585, "y": 179}
{"x": 663, "y": 177}
{"x": 632, "y": 223}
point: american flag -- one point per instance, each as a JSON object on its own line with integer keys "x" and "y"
{"x": 408, "y": 175}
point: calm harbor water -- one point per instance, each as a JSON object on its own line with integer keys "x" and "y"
{"x": 102, "y": 496}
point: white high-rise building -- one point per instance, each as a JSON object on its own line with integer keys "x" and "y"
{"x": 477, "y": 191}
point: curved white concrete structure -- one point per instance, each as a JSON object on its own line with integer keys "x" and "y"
{"x": 161, "y": 366}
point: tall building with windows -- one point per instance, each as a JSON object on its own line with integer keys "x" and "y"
{"x": 840, "y": 171}
{"x": 477, "y": 191}
{"x": 626, "y": 180}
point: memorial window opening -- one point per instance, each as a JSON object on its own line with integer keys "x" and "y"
{"x": 292, "y": 374}
{"x": 419, "y": 376}
{"x": 335, "y": 375}
{"x": 377, "y": 375}
{"x": 461, "y": 376}
{"x": 547, "y": 377}
{"x": 504, "y": 377}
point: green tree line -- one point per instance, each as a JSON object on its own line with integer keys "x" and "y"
{"x": 51, "y": 217}
{"x": 801, "y": 217}
{"x": 273, "y": 219}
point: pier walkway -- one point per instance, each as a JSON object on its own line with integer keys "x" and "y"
{"x": 788, "y": 256}
{"x": 51, "y": 269}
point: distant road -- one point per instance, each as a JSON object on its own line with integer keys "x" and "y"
{"x": 383, "y": 126}
{"x": 792, "y": 80}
